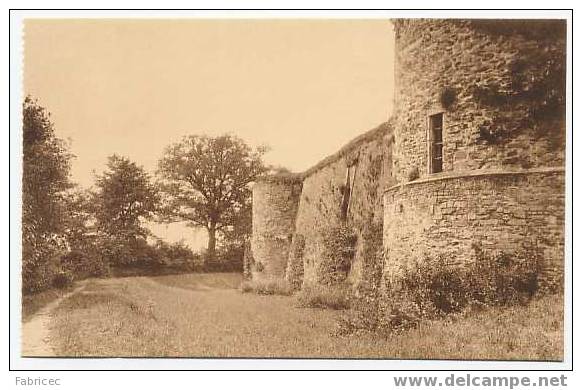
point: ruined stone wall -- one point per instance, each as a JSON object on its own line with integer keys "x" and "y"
{"x": 320, "y": 206}
{"x": 492, "y": 80}
{"x": 497, "y": 210}
{"x": 275, "y": 203}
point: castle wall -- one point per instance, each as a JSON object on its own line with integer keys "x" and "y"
{"x": 275, "y": 205}
{"x": 320, "y": 206}
{"x": 497, "y": 210}
{"x": 502, "y": 184}
{"x": 486, "y": 67}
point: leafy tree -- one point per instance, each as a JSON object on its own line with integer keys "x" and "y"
{"x": 45, "y": 177}
{"x": 206, "y": 180}
{"x": 79, "y": 218}
{"x": 125, "y": 197}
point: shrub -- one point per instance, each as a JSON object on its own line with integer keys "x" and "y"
{"x": 339, "y": 244}
{"x": 267, "y": 287}
{"x": 85, "y": 264}
{"x": 436, "y": 288}
{"x": 364, "y": 315}
{"x": 413, "y": 174}
{"x": 294, "y": 274}
{"x": 39, "y": 265}
{"x": 503, "y": 278}
{"x": 324, "y": 297}
{"x": 248, "y": 261}
{"x": 62, "y": 279}
{"x": 448, "y": 97}
{"x": 229, "y": 258}
{"x": 174, "y": 252}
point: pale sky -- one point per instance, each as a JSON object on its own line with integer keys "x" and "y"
{"x": 303, "y": 87}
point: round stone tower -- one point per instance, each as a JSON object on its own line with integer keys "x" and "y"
{"x": 275, "y": 203}
{"x": 479, "y": 140}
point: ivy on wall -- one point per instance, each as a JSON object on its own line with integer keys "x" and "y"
{"x": 535, "y": 97}
{"x": 295, "y": 268}
{"x": 339, "y": 243}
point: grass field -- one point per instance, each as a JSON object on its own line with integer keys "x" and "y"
{"x": 204, "y": 315}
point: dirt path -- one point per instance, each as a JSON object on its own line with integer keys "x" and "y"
{"x": 35, "y": 332}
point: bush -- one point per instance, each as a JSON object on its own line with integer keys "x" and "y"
{"x": 413, "y": 174}
{"x": 436, "y": 288}
{"x": 267, "y": 287}
{"x": 62, "y": 279}
{"x": 177, "y": 252}
{"x": 85, "y": 264}
{"x": 339, "y": 243}
{"x": 295, "y": 266}
{"x": 365, "y": 301}
{"x": 248, "y": 261}
{"x": 40, "y": 262}
{"x": 324, "y": 297}
{"x": 229, "y": 258}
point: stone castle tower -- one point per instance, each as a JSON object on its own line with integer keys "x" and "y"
{"x": 473, "y": 155}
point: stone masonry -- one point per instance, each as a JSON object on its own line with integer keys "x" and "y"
{"x": 503, "y": 177}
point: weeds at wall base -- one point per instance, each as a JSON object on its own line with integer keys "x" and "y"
{"x": 267, "y": 287}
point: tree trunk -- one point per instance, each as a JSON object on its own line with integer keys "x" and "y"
{"x": 211, "y": 250}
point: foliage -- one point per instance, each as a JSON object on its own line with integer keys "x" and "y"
{"x": 206, "y": 182}
{"x": 174, "y": 252}
{"x": 227, "y": 259}
{"x": 339, "y": 249}
{"x": 62, "y": 279}
{"x": 234, "y": 239}
{"x": 435, "y": 288}
{"x": 294, "y": 272}
{"x": 267, "y": 287}
{"x": 504, "y": 278}
{"x": 79, "y": 220}
{"x": 413, "y": 173}
{"x": 248, "y": 261}
{"x": 534, "y": 97}
{"x": 125, "y": 197}
{"x": 365, "y": 307}
{"x": 335, "y": 297}
{"x": 130, "y": 252}
{"x": 45, "y": 177}
{"x": 85, "y": 263}
{"x": 448, "y": 97}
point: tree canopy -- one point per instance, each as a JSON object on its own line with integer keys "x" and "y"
{"x": 206, "y": 181}
{"x": 45, "y": 178}
{"x": 125, "y": 197}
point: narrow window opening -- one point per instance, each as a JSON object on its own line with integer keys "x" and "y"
{"x": 347, "y": 191}
{"x": 436, "y": 143}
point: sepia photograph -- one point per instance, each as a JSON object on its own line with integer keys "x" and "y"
{"x": 294, "y": 188}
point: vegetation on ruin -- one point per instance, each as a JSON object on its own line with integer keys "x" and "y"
{"x": 267, "y": 287}
{"x": 436, "y": 289}
{"x": 369, "y": 136}
{"x": 364, "y": 313}
{"x": 535, "y": 97}
{"x": 295, "y": 270}
{"x": 339, "y": 248}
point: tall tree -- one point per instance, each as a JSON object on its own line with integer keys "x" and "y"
{"x": 45, "y": 177}
{"x": 206, "y": 180}
{"x": 125, "y": 197}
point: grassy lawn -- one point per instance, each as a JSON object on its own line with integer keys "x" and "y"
{"x": 203, "y": 315}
